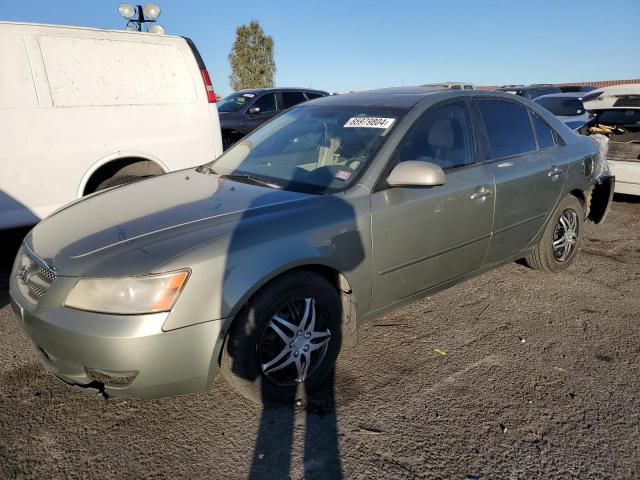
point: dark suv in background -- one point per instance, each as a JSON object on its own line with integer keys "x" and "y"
{"x": 243, "y": 111}
{"x": 530, "y": 91}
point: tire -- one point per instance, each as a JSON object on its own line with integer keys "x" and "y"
{"x": 543, "y": 256}
{"x": 115, "y": 181}
{"x": 252, "y": 342}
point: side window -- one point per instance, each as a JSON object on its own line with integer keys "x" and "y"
{"x": 292, "y": 98}
{"x": 442, "y": 136}
{"x": 312, "y": 96}
{"x": 267, "y": 103}
{"x": 508, "y": 128}
{"x": 544, "y": 133}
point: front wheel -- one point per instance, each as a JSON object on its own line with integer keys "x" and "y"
{"x": 284, "y": 343}
{"x": 558, "y": 246}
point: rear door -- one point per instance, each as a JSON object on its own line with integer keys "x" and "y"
{"x": 528, "y": 178}
{"x": 424, "y": 236}
{"x": 291, "y": 99}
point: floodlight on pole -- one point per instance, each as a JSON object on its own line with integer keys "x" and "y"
{"x": 138, "y": 14}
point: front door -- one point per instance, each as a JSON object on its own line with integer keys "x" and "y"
{"x": 424, "y": 236}
{"x": 268, "y": 107}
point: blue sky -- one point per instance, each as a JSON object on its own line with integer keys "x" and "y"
{"x": 353, "y": 45}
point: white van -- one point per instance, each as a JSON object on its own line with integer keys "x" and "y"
{"x": 83, "y": 109}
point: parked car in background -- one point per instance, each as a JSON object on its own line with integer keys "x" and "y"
{"x": 264, "y": 262}
{"x": 567, "y": 107}
{"x": 616, "y": 115}
{"x": 452, "y": 85}
{"x": 83, "y": 109}
{"x": 576, "y": 88}
{"x": 245, "y": 110}
{"x": 529, "y": 91}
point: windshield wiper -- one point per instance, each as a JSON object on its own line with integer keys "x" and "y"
{"x": 245, "y": 178}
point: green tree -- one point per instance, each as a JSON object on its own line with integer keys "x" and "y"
{"x": 251, "y": 58}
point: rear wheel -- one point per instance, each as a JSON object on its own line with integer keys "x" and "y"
{"x": 558, "y": 246}
{"x": 285, "y": 342}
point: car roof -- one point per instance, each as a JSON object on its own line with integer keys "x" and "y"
{"x": 624, "y": 89}
{"x": 400, "y": 97}
{"x": 564, "y": 94}
{"x": 280, "y": 89}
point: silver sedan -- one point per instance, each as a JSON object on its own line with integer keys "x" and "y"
{"x": 263, "y": 263}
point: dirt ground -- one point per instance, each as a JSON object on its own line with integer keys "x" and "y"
{"x": 540, "y": 379}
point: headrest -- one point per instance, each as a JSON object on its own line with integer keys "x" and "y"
{"x": 441, "y": 134}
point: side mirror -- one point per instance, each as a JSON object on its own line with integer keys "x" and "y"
{"x": 413, "y": 173}
{"x": 253, "y": 110}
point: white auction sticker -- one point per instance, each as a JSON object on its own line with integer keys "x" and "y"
{"x": 248, "y": 95}
{"x": 369, "y": 122}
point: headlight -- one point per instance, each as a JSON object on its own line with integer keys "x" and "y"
{"x": 128, "y": 295}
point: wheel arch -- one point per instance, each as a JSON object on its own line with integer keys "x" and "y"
{"x": 115, "y": 163}
{"x": 335, "y": 278}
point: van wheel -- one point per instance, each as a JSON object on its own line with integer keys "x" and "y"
{"x": 558, "y": 246}
{"x": 284, "y": 343}
{"x": 118, "y": 180}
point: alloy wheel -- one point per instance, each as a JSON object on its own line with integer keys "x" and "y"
{"x": 294, "y": 342}
{"x": 565, "y": 235}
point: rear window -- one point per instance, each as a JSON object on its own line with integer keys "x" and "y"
{"x": 92, "y": 71}
{"x": 508, "y": 128}
{"x": 562, "y": 106}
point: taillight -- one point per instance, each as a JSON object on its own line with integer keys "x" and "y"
{"x": 211, "y": 95}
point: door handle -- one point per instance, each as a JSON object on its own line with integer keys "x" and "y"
{"x": 480, "y": 194}
{"x": 554, "y": 172}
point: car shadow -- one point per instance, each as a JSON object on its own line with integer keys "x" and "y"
{"x": 275, "y": 438}
{"x": 624, "y": 198}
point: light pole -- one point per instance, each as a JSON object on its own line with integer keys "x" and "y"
{"x": 137, "y": 15}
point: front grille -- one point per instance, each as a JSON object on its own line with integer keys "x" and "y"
{"x": 34, "y": 276}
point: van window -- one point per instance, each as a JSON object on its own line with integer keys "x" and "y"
{"x": 16, "y": 82}
{"x": 508, "y": 128}
{"x": 443, "y": 136}
{"x": 91, "y": 71}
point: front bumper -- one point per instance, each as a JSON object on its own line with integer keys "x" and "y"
{"x": 132, "y": 349}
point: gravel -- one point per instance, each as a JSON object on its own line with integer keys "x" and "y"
{"x": 513, "y": 374}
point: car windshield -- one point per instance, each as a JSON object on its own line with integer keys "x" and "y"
{"x": 312, "y": 148}
{"x": 562, "y": 106}
{"x": 234, "y": 102}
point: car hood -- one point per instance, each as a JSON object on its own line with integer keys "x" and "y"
{"x": 127, "y": 229}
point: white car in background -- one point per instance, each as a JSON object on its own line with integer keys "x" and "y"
{"x": 84, "y": 109}
{"x": 616, "y": 113}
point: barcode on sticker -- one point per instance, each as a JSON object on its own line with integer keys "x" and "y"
{"x": 369, "y": 122}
